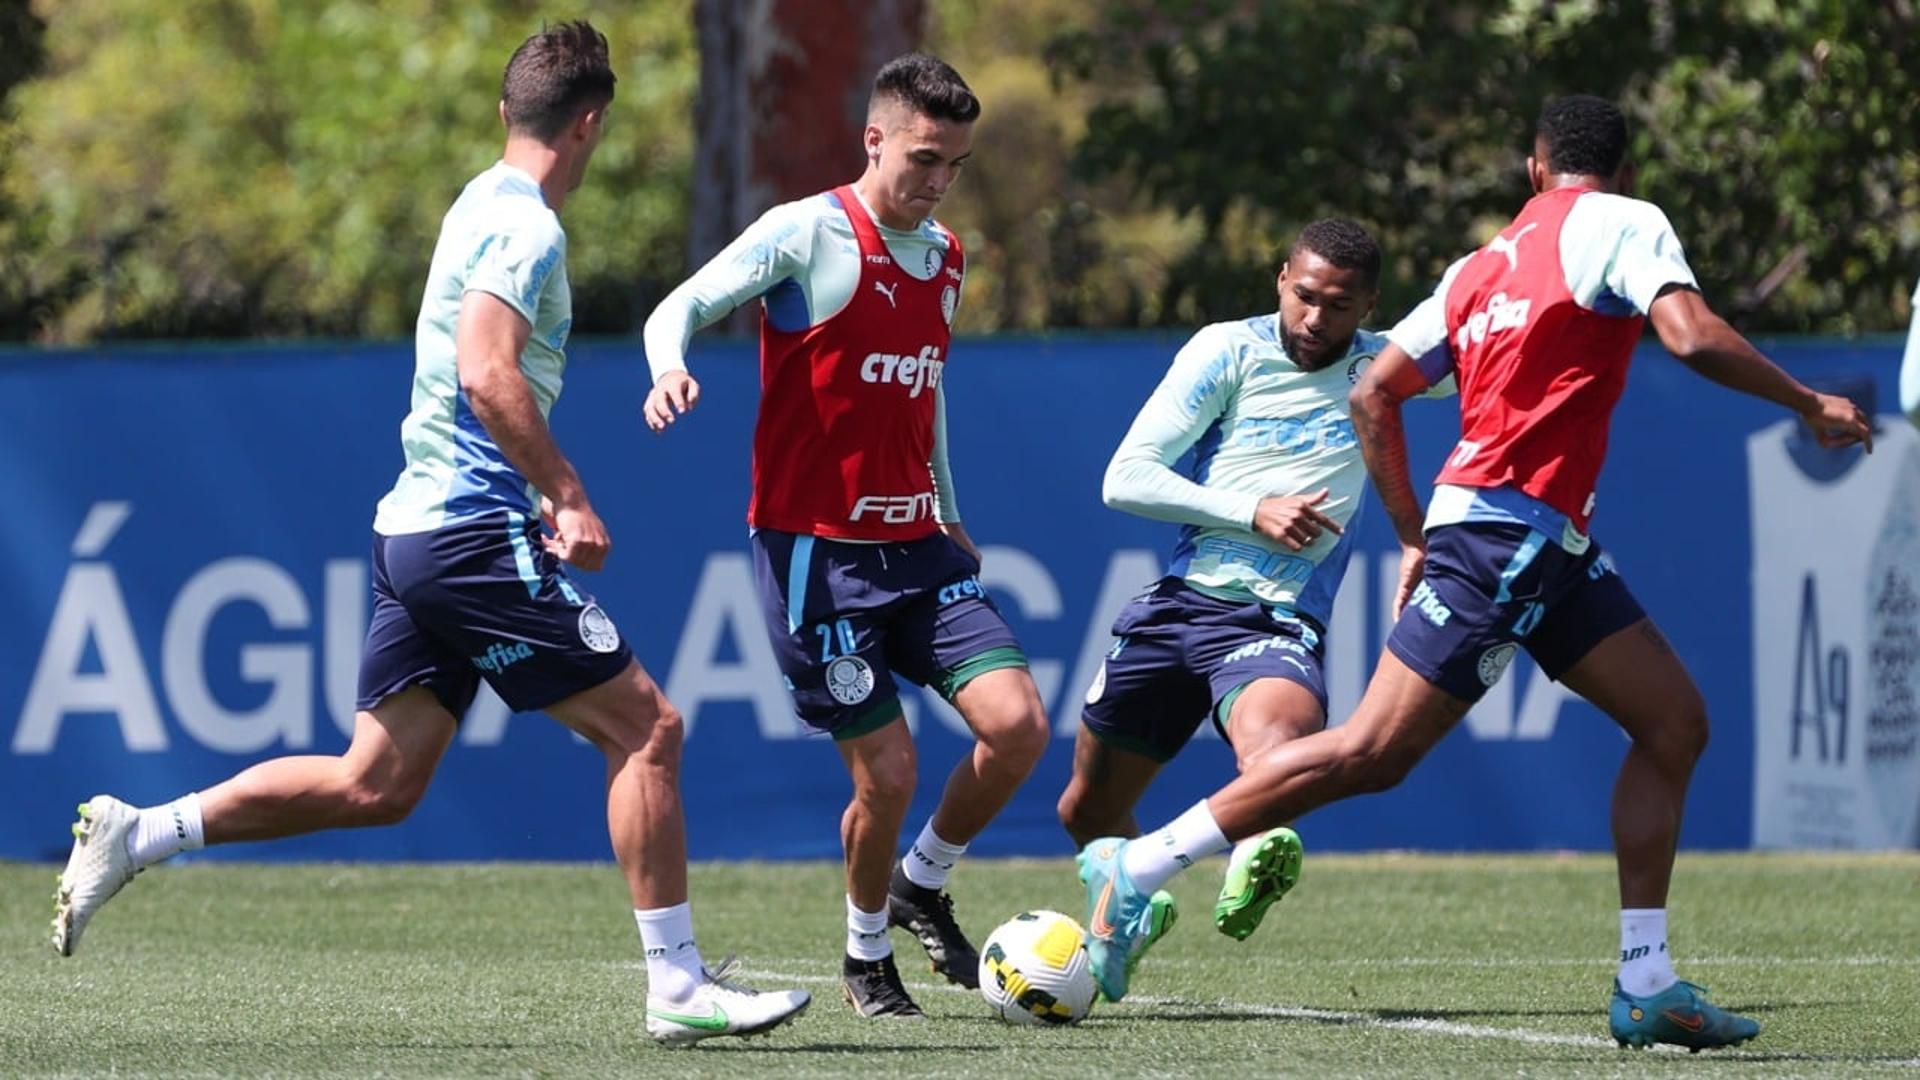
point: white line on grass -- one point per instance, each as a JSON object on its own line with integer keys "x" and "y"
{"x": 1466, "y": 962}
{"x": 1285, "y": 1012}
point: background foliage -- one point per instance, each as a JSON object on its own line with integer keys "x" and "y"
{"x": 248, "y": 167}
{"x": 255, "y": 168}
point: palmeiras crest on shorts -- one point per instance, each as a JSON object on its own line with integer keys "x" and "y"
{"x": 597, "y": 630}
{"x": 949, "y": 296}
{"x": 1493, "y": 662}
{"x": 849, "y": 680}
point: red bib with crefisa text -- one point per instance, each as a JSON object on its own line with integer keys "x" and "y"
{"x": 1539, "y": 374}
{"x": 845, "y": 433}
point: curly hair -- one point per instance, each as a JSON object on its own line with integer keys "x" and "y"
{"x": 1583, "y": 135}
{"x": 1343, "y": 243}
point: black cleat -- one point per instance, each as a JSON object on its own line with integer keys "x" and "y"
{"x": 928, "y": 915}
{"x": 873, "y": 989}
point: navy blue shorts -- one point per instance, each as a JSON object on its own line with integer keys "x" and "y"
{"x": 483, "y": 600}
{"x": 844, "y": 617}
{"x": 1493, "y": 588}
{"x": 1179, "y": 655}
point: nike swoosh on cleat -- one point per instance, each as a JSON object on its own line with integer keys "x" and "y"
{"x": 1099, "y": 924}
{"x": 1691, "y": 1023}
{"x": 716, "y": 1021}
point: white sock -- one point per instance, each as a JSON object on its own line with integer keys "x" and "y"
{"x": 867, "y": 933}
{"x": 1153, "y": 859}
{"x": 674, "y": 968}
{"x": 166, "y": 830}
{"x": 930, "y": 859}
{"x": 1645, "y": 965}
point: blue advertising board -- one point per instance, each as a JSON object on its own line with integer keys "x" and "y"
{"x": 186, "y": 589}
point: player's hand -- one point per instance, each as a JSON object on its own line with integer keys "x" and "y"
{"x": 1838, "y": 422}
{"x": 1413, "y": 567}
{"x": 1292, "y": 520}
{"x": 957, "y": 533}
{"x": 579, "y": 536}
{"x": 546, "y": 514}
{"x": 674, "y": 395}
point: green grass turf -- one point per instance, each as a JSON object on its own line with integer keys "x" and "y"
{"x": 1376, "y": 965}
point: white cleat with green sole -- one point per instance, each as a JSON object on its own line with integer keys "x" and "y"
{"x": 99, "y": 867}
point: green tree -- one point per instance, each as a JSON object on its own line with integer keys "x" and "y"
{"x": 244, "y": 167}
{"x": 20, "y": 33}
{"x": 1781, "y": 138}
{"x": 1046, "y": 247}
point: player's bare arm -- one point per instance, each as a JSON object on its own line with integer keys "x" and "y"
{"x": 488, "y": 342}
{"x": 1375, "y": 402}
{"x": 1704, "y": 342}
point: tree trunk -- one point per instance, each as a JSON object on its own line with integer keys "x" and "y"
{"x": 783, "y": 100}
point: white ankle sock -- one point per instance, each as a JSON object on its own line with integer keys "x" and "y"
{"x": 166, "y": 830}
{"x": 867, "y": 933}
{"x": 1645, "y": 965}
{"x": 930, "y": 859}
{"x": 674, "y": 968}
{"x": 1153, "y": 859}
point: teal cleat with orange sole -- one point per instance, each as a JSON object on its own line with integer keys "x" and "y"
{"x": 1680, "y": 1015}
{"x": 1118, "y": 915}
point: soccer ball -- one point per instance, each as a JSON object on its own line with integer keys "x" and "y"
{"x": 1035, "y": 970}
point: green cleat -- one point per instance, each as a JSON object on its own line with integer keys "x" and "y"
{"x": 1680, "y": 1015}
{"x": 1257, "y": 875}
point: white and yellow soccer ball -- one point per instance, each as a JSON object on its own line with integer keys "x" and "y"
{"x": 1034, "y": 970}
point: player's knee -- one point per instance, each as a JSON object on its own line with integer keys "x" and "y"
{"x": 1683, "y": 738}
{"x": 1014, "y": 728}
{"x": 1023, "y": 736}
{"x": 385, "y": 802}
{"x": 666, "y": 734}
{"x": 887, "y": 786}
{"x": 653, "y": 734}
{"x": 1080, "y": 816}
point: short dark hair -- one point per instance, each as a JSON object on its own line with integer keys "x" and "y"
{"x": 1344, "y": 244}
{"x": 554, "y": 76}
{"x": 928, "y": 85}
{"x": 1583, "y": 135}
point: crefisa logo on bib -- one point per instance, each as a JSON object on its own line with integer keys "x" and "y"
{"x": 597, "y": 630}
{"x": 849, "y": 680}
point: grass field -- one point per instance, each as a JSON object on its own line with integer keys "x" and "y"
{"x": 1377, "y": 965}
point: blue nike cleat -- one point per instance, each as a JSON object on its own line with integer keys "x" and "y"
{"x": 1119, "y": 916}
{"x": 1680, "y": 1015}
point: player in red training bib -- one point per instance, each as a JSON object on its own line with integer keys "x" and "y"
{"x": 864, "y": 570}
{"x": 1538, "y": 327}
